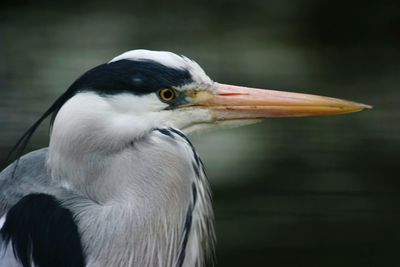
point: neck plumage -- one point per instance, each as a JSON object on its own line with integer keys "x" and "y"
{"x": 147, "y": 204}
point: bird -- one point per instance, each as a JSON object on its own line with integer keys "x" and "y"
{"x": 120, "y": 183}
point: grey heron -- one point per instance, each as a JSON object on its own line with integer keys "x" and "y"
{"x": 120, "y": 184}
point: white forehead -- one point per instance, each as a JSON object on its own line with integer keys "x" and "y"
{"x": 168, "y": 59}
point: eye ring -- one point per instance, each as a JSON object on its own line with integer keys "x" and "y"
{"x": 167, "y": 94}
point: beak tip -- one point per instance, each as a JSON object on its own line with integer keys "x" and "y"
{"x": 368, "y": 107}
{"x": 364, "y": 106}
{"x": 357, "y": 107}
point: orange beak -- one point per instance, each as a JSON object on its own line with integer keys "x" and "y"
{"x": 229, "y": 102}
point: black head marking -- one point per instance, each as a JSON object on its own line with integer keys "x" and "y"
{"x": 137, "y": 77}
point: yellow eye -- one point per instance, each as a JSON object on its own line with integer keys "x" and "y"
{"x": 167, "y": 94}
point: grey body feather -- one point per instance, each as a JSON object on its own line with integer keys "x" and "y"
{"x": 31, "y": 176}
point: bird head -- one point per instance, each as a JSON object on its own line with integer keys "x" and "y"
{"x": 141, "y": 90}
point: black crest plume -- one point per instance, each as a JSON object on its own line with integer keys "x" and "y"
{"x": 21, "y": 144}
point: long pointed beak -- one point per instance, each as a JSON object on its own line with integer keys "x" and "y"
{"x": 231, "y": 102}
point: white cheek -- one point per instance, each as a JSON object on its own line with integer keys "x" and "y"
{"x": 89, "y": 121}
{"x": 135, "y": 115}
{"x": 135, "y": 104}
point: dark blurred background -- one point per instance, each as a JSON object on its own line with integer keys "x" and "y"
{"x": 289, "y": 192}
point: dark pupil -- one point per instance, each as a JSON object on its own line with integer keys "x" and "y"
{"x": 167, "y": 94}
